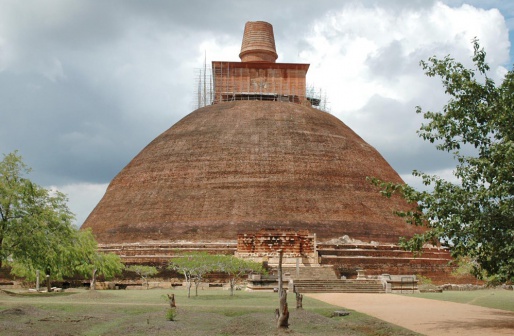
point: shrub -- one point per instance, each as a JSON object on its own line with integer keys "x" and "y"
{"x": 171, "y": 314}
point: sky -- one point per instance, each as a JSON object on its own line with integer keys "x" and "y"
{"x": 85, "y": 85}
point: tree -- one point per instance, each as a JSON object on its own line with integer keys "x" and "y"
{"x": 143, "y": 271}
{"x": 475, "y": 214}
{"x": 236, "y": 268}
{"x": 194, "y": 266}
{"x": 36, "y": 231}
{"x": 90, "y": 262}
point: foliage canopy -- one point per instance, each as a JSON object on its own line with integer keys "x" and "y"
{"x": 143, "y": 271}
{"x": 36, "y": 230}
{"x": 194, "y": 266}
{"x": 474, "y": 214}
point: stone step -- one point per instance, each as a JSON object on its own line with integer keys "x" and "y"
{"x": 339, "y": 286}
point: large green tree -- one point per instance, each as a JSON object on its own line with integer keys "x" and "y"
{"x": 36, "y": 231}
{"x": 473, "y": 213}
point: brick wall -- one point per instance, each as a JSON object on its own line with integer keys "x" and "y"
{"x": 240, "y": 81}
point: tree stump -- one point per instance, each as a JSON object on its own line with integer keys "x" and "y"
{"x": 299, "y": 298}
{"x": 171, "y": 298}
{"x": 283, "y": 315}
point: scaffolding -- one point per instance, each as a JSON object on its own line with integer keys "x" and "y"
{"x": 223, "y": 83}
{"x": 204, "y": 94}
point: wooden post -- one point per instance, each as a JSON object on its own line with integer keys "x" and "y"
{"x": 283, "y": 312}
{"x": 37, "y": 281}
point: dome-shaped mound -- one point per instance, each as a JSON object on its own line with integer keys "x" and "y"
{"x": 237, "y": 167}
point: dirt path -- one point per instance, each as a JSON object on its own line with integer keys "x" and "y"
{"x": 425, "y": 316}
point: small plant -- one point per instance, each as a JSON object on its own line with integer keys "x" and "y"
{"x": 423, "y": 280}
{"x": 171, "y": 314}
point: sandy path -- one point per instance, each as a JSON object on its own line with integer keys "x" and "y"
{"x": 425, "y": 316}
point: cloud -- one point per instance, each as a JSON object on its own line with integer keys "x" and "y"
{"x": 85, "y": 85}
{"x": 367, "y": 58}
{"x": 82, "y": 197}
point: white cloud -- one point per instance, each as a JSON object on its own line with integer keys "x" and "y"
{"x": 417, "y": 182}
{"x": 83, "y": 197}
{"x": 367, "y": 59}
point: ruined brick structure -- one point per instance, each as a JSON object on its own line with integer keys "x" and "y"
{"x": 265, "y": 244}
{"x": 259, "y": 157}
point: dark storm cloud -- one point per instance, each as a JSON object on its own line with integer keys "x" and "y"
{"x": 73, "y": 87}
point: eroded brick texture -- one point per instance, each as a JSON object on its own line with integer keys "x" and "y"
{"x": 267, "y": 242}
{"x": 242, "y": 166}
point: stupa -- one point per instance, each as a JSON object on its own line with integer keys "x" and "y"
{"x": 259, "y": 156}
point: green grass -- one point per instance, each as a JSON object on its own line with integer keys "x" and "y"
{"x": 144, "y": 312}
{"x": 490, "y": 298}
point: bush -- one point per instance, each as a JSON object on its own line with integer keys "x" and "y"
{"x": 423, "y": 280}
{"x": 171, "y": 314}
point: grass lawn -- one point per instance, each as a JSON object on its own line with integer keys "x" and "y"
{"x": 143, "y": 312}
{"x": 491, "y": 298}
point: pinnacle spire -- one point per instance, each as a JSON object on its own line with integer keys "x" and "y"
{"x": 258, "y": 43}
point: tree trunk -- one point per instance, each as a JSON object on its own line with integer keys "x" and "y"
{"x": 299, "y": 298}
{"x": 197, "y": 283}
{"x": 188, "y": 281}
{"x": 232, "y": 283}
{"x": 92, "y": 285}
{"x": 283, "y": 312}
{"x": 171, "y": 297}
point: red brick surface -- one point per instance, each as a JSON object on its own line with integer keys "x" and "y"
{"x": 238, "y": 78}
{"x": 241, "y": 166}
{"x": 270, "y": 241}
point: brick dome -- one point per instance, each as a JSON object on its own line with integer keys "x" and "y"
{"x": 240, "y": 166}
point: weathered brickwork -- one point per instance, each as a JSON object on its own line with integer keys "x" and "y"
{"x": 434, "y": 263}
{"x": 242, "y": 166}
{"x": 257, "y": 76}
{"x": 258, "y": 43}
{"x": 267, "y": 242}
{"x": 259, "y": 81}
